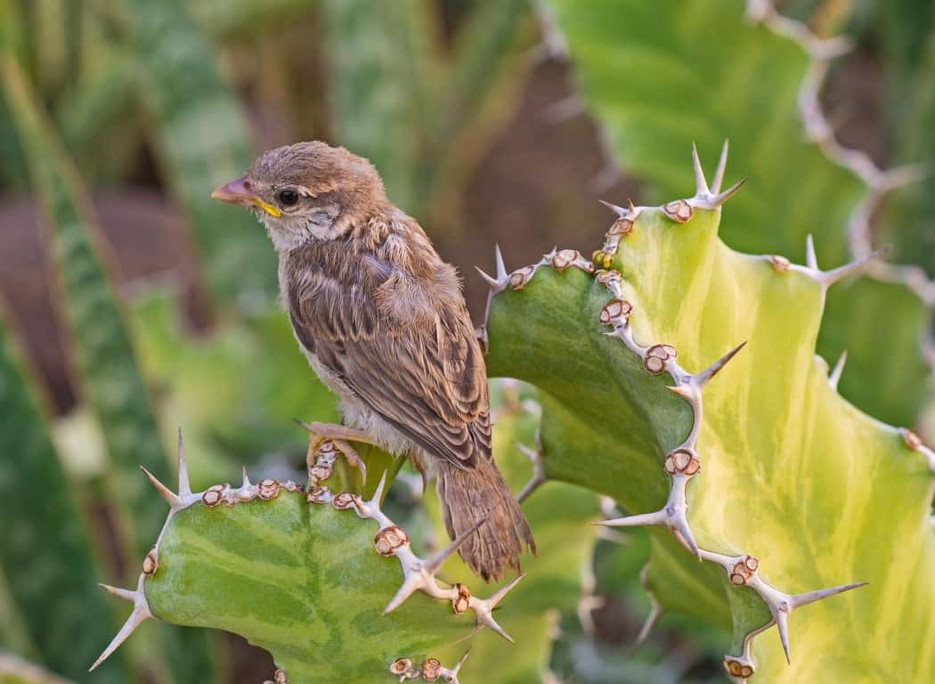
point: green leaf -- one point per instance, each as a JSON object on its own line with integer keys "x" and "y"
{"x": 201, "y": 138}
{"x": 45, "y": 552}
{"x": 109, "y": 378}
{"x": 377, "y": 59}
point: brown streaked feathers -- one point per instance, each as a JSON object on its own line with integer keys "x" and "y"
{"x": 382, "y": 320}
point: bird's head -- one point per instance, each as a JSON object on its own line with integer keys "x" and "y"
{"x": 307, "y": 191}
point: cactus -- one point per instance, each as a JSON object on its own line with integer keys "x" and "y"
{"x": 802, "y": 496}
{"x": 60, "y": 630}
{"x": 655, "y": 91}
{"x": 302, "y": 573}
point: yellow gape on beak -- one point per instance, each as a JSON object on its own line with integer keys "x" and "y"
{"x": 238, "y": 192}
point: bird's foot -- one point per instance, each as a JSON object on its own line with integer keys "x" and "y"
{"x": 325, "y": 439}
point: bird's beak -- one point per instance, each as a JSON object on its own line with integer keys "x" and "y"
{"x": 238, "y": 192}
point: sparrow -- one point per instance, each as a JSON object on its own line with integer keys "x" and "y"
{"x": 383, "y": 323}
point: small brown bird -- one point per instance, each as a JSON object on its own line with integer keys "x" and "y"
{"x": 383, "y": 323}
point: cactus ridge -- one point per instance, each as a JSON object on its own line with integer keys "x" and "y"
{"x": 390, "y": 540}
{"x": 684, "y": 462}
{"x": 818, "y": 129}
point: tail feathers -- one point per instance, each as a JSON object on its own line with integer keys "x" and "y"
{"x": 472, "y": 494}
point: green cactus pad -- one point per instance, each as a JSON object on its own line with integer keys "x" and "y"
{"x": 818, "y": 493}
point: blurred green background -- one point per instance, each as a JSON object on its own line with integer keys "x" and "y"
{"x": 132, "y": 304}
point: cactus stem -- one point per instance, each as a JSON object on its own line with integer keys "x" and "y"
{"x": 721, "y": 167}
{"x": 140, "y": 613}
{"x": 704, "y": 377}
{"x": 834, "y": 377}
{"x": 166, "y": 493}
{"x": 878, "y": 182}
{"x": 538, "y": 472}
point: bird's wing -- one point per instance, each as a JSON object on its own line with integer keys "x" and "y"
{"x": 423, "y": 372}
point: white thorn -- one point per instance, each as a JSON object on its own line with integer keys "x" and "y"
{"x": 701, "y": 185}
{"x": 619, "y": 211}
{"x": 503, "y": 591}
{"x": 502, "y": 274}
{"x": 655, "y": 612}
{"x": 165, "y": 492}
{"x": 902, "y": 176}
{"x": 680, "y": 525}
{"x": 433, "y": 563}
{"x": 782, "y": 624}
{"x": 722, "y": 197}
{"x": 378, "y": 493}
{"x": 412, "y": 582}
{"x": 781, "y": 605}
{"x": 721, "y": 166}
{"x": 483, "y": 609}
{"x": 811, "y": 259}
{"x": 138, "y": 616}
{"x": 490, "y": 280}
{"x": 457, "y": 667}
{"x": 246, "y": 479}
{"x": 659, "y": 517}
{"x": 538, "y": 472}
{"x": 704, "y": 377}
{"x": 185, "y": 488}
{"x": 835, "y": 376}
{"x": 800, "y": 600}
{"x": 829, "y": 278}
{"x": 125, "y": 594}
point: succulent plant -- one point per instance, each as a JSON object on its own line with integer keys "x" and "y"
{"x": 785, "y": 492}
{"x": 299, "y": 571}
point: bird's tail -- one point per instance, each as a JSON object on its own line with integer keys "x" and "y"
{"x": 469, "y": 495}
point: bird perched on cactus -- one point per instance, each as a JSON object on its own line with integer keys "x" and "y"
{"x": 382, "y": 320}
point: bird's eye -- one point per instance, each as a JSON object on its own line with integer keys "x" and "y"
{"x": 288, "y": 197}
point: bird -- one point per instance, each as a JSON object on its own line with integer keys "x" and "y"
{"x": 382, "y": 321}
